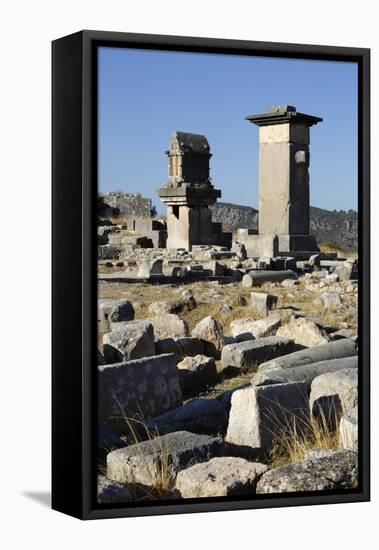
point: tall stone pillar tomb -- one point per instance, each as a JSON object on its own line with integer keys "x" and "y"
{"x": 284, "y": 177}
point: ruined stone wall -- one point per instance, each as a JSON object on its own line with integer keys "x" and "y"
{"x": 124, "y": 204}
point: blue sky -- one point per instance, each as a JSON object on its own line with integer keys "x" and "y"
{"x": 144, "y": 96}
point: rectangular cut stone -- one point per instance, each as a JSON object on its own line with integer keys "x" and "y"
{"x": 147, "y": 387}
{"x": 296, "y": 133}
{"x": 259, "y": 413}
{"x": 143, "y": 462}
{"x": 274, "y": 188}
{"x": 244, "y": 355}
{"x": 259, "y": 245}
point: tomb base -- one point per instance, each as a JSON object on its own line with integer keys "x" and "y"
{"x": 272, "y": 245}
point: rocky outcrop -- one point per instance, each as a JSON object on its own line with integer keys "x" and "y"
{"x": 119, "y": 204}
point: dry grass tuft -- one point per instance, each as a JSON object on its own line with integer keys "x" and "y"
{"x": 329, "y": 247}
{"x": 158, "y": 469}
{"x": 293, "y": 438}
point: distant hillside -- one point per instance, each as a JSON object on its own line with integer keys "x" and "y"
{"x": 338, "y": 228}
{"x": 332, "y": 227}
{"x": 233, "y": 216}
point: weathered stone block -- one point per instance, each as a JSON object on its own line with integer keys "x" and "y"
{"x": 187, "y": 300}
{"x": 113, "y": 311}
{"x": 196, "y": 373}
{"x": 148, "y": 268}
{"x": 249, "y": 354}
{"x": 143, "y": 462}
{"x": 181, "y": 347}
{"x": 262, "y": 302}
{"x": 210, "y": 332}
{"x": 344, "y": 271}
{"x": 257, "y": 414}
{"x": 333, "y": 350}
{"x": 334, "y": 393}
{"x": 130, "y": 340}
{"x": 248, "y": 329}
{"x": 336, "y": 471}
{"x": 221, "y": 476}
{"x": 304, "y": 332}
{"x": 239, "y": 249}
{"x": 147, "y": 387}
{"x": 349, "y": 430}
{"x": 169, "y": 325}
{"x": 201, "y": 416}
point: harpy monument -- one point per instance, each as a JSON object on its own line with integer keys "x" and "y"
{"x": 188, "y": 193}
{"x": 284, "y": 137}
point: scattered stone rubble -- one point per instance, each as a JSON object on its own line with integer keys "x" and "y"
{"x": 159, "y": 370}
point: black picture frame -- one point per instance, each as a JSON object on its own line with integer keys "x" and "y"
{"x": 74, "y": 175}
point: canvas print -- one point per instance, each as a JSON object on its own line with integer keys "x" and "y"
{"x": 227, "y": 276}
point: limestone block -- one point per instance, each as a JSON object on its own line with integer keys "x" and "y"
{"x": 211, "y": 333}
{"x": 143, "y": 462}
{"x": 221, "y": 476}
{"x": 239, "y": 249}
{"x": 249, "y": 354}
{"x": 336, "y": 471}
{"x": 262, "y": 302}
{"x": 148, "y": 268}
{"x": 257, "y": 414}
{"x": 113, "y": 311}
{"x": 334, "y": 393}
{"x": 304, "y": 332}
{"x": 349, "y": 430}
{"x": 248, "y": 329}
{"x": 130, "y": 340}
{"x": 333, "y": 350}
{"x": 344, "y": 271}
{"x": 315, "y": 262}
{"x": 169, "y": 325}
{"x": 187, "y": 300}
{"x": 147, "y": 387}
{"x": 201, "y": 416}
{"x": 196, "y": 373}
{"x": 321, "y": 324}
{"x": 181, "y": 347}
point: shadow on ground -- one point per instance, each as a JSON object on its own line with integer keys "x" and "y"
{"x": 41, "y": 497}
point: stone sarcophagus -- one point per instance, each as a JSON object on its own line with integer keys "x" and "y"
{"x": 188, "y": 193}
